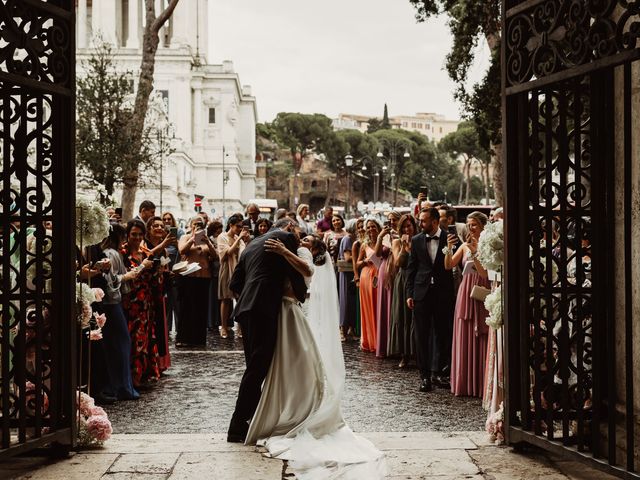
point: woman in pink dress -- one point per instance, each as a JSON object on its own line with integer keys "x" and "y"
{"x": 366, "y": 265}
{"x": 469, "y": 351}
{"x": 386, "y": 275}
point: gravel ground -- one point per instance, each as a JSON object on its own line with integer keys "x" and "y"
{"x": 197, "y": 395}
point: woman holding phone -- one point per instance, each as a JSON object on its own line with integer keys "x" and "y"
{"x": 193, "y": 290}
{"x": 230, "y": 245}
{"x": 470, "y": 332}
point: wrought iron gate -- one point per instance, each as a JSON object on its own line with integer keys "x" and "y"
{"x": 37, "y": 196}
{"x": 567, "y": 124}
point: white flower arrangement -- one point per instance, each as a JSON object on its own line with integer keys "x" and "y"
{"x": 493, "y": 304}
{"x": 491, "y": 246}
{"x": 84, "y": 293}
{"x": 92, "y": 223}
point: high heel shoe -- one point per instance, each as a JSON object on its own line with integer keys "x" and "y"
{"x": 223, "y": 332}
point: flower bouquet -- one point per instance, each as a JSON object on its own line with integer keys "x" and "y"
{"x": 94, "y": 425}
{"x": 495, "y": 425}
{"x": 493, "y": 304}
{"x": 92, "y": 223}
{"x": 491, "y": 246}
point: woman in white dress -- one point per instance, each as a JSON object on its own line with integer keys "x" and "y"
{"x": 299, "y": 416}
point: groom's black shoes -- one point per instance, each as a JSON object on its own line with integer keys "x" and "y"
{"x": 237, "y": 431}
{"x": 426, "y": 386}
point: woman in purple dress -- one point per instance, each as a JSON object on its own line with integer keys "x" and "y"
{"x": 469, "y": 351}
{"x": 346, "y": 283}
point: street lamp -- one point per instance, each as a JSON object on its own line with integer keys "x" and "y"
{"x": 393, "y": 147}
{"x": 348, "y": 160}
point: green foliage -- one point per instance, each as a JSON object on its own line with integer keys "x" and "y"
{"x": 385, "y": 118}
{"x": 306, "y": 133}
{"x": 374, "y": 124}
{"x": 104, "y": 145}
{"x": 469, "y": 22}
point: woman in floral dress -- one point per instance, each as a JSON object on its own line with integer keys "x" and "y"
{"x": 139, "y": 306}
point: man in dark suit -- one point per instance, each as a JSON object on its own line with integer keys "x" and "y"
{"x": 258, "y": 280}
{"x": 430, "y": 295}
{"x": 250, "y": 223}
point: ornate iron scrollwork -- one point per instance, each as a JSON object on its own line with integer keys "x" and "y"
{"x": 557, "y": 35}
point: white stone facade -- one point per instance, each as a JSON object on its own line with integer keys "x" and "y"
{"x": 209, "y": 109}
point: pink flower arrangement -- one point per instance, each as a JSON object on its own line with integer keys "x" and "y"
{"x": 99, "y": 427}
{"x": 30, "y": 395}
{"x": 95, "y": 334}
{"x": 101, "y": 319}
{"x": 85, "y": 314}
{"x": 495, "y": 425}
{"x": 99, "y": 294}
{"x": 95, "y": 427}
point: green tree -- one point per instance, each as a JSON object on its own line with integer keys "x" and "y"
{"x": 464, "y": 143}
{"x": 154, "y": 21}
{"x": 373, "y": 125}
{"x": 385, "y": 119}
{"x": 471, "y": 21}
{"x": 103, "y": 143}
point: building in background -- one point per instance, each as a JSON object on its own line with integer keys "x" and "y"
{"x": 432, "y": 125}
{"x": 211, "y": 116}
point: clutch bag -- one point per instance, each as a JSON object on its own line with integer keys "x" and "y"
{"x": 479, "y": 293}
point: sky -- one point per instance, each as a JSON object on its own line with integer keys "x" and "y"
{"x": 336, "y": 56}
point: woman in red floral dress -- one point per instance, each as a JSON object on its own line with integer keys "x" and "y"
{"x": 138, "y": 304}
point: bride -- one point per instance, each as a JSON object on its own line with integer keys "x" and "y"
{"x": 299, "y": 417}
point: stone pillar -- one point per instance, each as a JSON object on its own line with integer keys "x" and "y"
{"x": 133, "y": 40}
{"x": 81, "y": 21}
{"x": 197, "y": 112}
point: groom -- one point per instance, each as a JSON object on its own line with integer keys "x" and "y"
{"x": 430, "y": 294}
{"x": 258, "y": 281}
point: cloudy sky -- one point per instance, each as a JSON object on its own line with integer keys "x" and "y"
{"x": 335, "y": 56}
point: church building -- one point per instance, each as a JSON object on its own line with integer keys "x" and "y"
{"x": 206, "y": 115}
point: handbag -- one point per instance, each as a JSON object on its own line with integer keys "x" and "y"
{"x": 479, "y": 293}
{"x": 344, "y": 266}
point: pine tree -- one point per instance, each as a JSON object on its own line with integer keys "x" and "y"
{"x": 385, "y": 119}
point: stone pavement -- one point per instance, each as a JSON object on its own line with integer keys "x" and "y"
{"x": 409, "y": 456}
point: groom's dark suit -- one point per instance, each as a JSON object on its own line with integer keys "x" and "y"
{"x": 431, "y": 287}
{"x": 259, "y": 281}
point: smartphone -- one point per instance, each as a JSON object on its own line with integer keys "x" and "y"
{"x": 199, "y": 237}
{"x": 452, "y": 230}
{"x": 119, "y": 211}
{"x": 173, "y": 231}
{"x": 424, "y": 190}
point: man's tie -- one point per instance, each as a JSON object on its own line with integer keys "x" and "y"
{"x": 433, "y": 238}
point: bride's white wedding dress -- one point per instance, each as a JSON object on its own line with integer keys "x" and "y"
{"x": 299, "y": 417}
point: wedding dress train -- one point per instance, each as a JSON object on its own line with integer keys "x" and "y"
{"x": 299, "y": 416}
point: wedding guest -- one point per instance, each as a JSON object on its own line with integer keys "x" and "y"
{"x": 264, "y": 225}
{"x": 214, "y": 229}
{"x": 430, "y": 295}
{"x": 333, "y": 237}
{"x": 251, "y": 222}
{"x": 346, "y": 284}
{"x": 230, "y": 246}
{"x": 193, "y": 289}
{"x": 355, "y": 253}
{"x": 324, "y": 224}
{"x": 385, "y": 282}
{"x": 115, "y": 332}
{"x": 280, "y": 214}
{"x": 156, "y": 242}
{"x": 302, "y": 212}
{"x": 401, "y": 319}
{"x": 469, "y": 351}
{"x": 146, "y": 210}
{"x": 139, "y": 308}
{"x": 368, "y": 267}
{"x": 171, "y": 288}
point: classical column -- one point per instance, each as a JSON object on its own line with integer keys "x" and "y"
{"x": 81, "y": 21}
{"x": 197, "y": 114}
{"x": 134, "y": 24}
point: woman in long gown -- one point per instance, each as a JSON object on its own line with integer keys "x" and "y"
{"x": 386, "y": 274}
{"x": 368, "y": 266}
{"x": 401, "y": 321}
{"x": 299, "y": 418}
{"x": 346, "y": 283}
{"x": 469, "y": 351}
{"x": 139, "y": 306}
{"x": 355, "y": 253}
